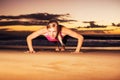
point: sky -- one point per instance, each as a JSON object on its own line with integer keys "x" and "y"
{"x": 102, "y": 11}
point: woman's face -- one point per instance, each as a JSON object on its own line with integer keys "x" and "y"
{"x": 52, "y": 29}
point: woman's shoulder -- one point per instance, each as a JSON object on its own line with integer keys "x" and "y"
{"x": 64, "y": 28}
{"x": 43, "y": 29}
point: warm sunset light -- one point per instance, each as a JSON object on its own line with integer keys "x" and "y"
{"x": 102, "y": 11}
{"x": 59, "y": 39}
{"x": 22, "y": 28}
{"x": 96, "y": 17}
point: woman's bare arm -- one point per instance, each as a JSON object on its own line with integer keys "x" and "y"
{"x": 74, "y": 35}
{"x": 32, "y": 36}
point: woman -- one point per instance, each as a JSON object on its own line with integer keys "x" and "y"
{"x": 55, "y": 33}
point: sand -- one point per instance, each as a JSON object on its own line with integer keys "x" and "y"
{"x": 50, "y": 65}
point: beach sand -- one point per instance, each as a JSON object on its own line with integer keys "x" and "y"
{"x": 51, "y": 65}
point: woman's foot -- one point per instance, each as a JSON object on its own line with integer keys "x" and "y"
{"x": 62, "y": 48}
{"x": 57, "y": 49}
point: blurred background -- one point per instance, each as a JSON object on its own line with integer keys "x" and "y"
{"x": 97, "y": 20}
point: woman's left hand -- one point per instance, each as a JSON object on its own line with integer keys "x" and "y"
{"x": 77, "y": 52}
{"x": 30, "y": 52}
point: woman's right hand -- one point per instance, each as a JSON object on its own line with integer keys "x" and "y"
{"x": 30, "y": 52}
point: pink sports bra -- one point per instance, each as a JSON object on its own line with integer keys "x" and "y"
{"x": 52, "y": 39}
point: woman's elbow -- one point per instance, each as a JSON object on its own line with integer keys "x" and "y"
{"x": 28, "y": 38}
{"x": 81, "y": 37}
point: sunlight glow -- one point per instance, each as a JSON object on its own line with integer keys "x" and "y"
{"x": 21, "y": 28}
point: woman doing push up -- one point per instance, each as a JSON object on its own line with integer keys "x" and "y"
{"x": 55, "y": 33}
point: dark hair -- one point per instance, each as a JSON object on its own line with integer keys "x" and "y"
{"x": 59, "y": 27}
{"x": 51, "y": 21}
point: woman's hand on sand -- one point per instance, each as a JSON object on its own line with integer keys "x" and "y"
{"x": 77, "y": 52}
{"x": 30, "y": 52}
